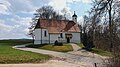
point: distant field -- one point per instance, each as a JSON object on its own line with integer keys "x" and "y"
{"x": 17, "y": 41}
{"x": 10, "y": 55}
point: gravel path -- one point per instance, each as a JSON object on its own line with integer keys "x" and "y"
{"x": 81, "y": 60}
{"x": 50, "y": 63}
{"x": 81, "y": 52}
{"x": 75, "y": 47}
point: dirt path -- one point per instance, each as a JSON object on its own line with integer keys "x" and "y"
{"x": 81, "y": 52}
{"x": 50, "y": 63}
{"x": 80, "y": 60}
{"x": 75, "y": 47}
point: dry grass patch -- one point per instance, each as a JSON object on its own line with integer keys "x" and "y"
{"x": 64, "y": 48}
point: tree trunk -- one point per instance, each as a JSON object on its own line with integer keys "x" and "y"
{"x": 110, "y": 25}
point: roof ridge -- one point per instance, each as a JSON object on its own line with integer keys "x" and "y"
{"x": 56, "y": 26}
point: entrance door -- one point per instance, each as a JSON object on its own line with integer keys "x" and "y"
{"x": 68, "y": 40}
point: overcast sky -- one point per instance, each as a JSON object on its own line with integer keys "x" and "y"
{"x": 15, "y": 15}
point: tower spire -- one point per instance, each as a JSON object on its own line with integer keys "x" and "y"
{"x": 74, "y": 17}
{"x": 74, "y": 12}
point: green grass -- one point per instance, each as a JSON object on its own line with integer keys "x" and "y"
{"x": 64, "y": 48}
{"x": 10, "y": 55}
{"x": 101, "y": 52}
{"x": 98, "y": 51}
{"x": 81, "y": 45}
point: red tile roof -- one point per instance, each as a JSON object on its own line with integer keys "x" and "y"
{"x": 57, "y": 26}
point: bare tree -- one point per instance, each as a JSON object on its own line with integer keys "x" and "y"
{"x": 108, "y": 11}
{"x": 45, "y": 12}
{"x": 87, "y": 35}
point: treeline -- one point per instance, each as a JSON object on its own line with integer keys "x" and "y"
{"x": 101, "y": 29}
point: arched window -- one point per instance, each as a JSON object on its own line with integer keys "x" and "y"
{"x": 61, "y": 35}
{"x": 45, "y": 33}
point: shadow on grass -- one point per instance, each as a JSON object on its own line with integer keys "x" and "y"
{"x": 36, "y": 45}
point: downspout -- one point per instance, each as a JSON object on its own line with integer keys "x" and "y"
{"x": 80, "y": 28}
{"x": 41, "y": 29}
{"x": 41, "y": 35}
{"x": 39, "y": 26}
{"x": 48, "y": 32}
{"x": 49, "y": 38}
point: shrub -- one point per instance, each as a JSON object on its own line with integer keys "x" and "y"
{"x": 36, "y": 45}
{"x": 56, "y": 43}
{"x": 60, "y": 44}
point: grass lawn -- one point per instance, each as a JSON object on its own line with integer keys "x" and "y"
{"x": 10, "y": 55}
{"x": 98, "y": 51}
{"x": 64, "y": 48}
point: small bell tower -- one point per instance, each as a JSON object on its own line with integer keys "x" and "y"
{"x": 74, "y": 17}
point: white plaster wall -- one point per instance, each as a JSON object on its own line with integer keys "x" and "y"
{"x": 63, "y": 39}
{"x": 53, "y": 37}
{"x": 38, "y": 36}
{"x": 75, "y": 38}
